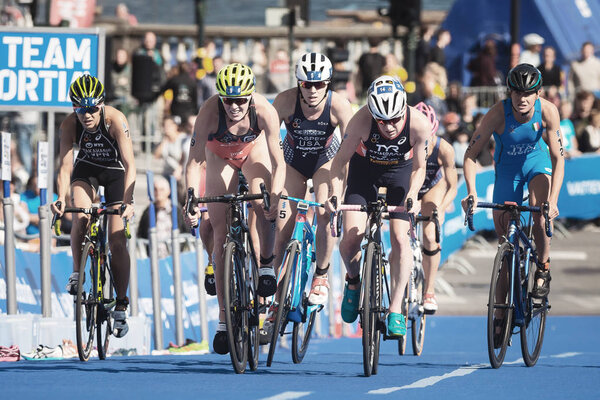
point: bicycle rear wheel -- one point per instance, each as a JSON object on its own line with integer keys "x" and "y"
{"x": 104, "y": 321}
{"x": 535, "y": 311}
{"x": 302, "y": 333}
{"x": 499, "y": 309}
{"x": 86, "y": 304}
{"x": 236, "y": 316}
{"x": 368, "y": 312}
{"x": 403, "y": 339}
{"x": 418, "y": 315}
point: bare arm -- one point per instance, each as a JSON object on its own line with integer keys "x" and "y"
{"x": 446, "y": 159}
{"x": 66, "y": 135}
{"x": 554, "y": 140}
{"x": 269, "y": 121}
{"x": 197, "y": 157}
{"x": 119, "y": 130}
{"x": 342, "y": 111}
{"x": 420, "y": 134}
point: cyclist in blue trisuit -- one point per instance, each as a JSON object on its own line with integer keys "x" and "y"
{"x": 529, "y": 150}
{"x": 437, "y": 193}
{"x": 386, "y": 146}
{"x": 105, "y": 158}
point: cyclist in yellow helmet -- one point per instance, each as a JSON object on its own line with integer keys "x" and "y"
{"x": 105, "y": 158}
{"x": 237, "y": 129}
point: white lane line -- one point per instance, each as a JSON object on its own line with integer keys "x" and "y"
{"x": 555, "y": 255}
{"x": 432, "y": 380}
{"x": 287, "y": 396}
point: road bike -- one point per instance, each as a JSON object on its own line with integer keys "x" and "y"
{"x": 240, "y": 276}
{"x": 511, "y": 306}
{"x": 375, "y": 295}
{"x": 292, "y": 302}
{"x": 96, "y": 297}
{"x": 414, "y": 312}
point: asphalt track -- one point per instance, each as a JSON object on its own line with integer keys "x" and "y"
{"x": 454, "y": 365}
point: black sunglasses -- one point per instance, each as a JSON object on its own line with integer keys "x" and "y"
{"x": 388, "y": 121}
{"x": 316, "y": 85}
{"x": 86, "y": 110}
{"x": 240, "y": 101}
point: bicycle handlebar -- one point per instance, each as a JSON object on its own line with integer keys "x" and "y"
{"x": 98, "y": 211}
{"x": 297, "y": 200}
{"x": 335, "y": 221}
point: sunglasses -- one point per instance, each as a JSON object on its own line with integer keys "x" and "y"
{"x": 240, "y": 101}
{"x": 393, "y": 121}
{"x": 86, "y": 110}
{"x": 316, "y": 85}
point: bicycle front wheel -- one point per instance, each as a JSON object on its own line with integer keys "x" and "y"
{"x": 535, "y": 311}
{"x": 500, "y": 311}
{"x": 418, "y": 315}
{"x": 369, "y": 312}
{"x": 284, "y": 299}
{"x": 254, "y": 301}
{"x": 301, "y": 334}
{"x": 104, "y": 321}
{"x": 236, "y": 317}
{"x": 86, "y": 304}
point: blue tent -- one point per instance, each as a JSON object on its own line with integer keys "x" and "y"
{"x": 564, "y": 24}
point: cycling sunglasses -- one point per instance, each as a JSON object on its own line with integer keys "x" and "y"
{"x": 310, "y": 85}
{"x": 86, "y": 110}
{"x": 393, "y": 121}
{"x": 240, "y": 101}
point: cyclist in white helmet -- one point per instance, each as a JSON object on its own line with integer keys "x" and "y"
{"x": 315, "y": 118}
{"x": 386, "y": 146}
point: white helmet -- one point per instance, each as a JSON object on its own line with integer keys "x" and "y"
{"x": 386, "y": 98}
{"x": 313, "y": 67}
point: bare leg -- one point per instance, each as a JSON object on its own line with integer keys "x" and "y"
{"x": 400, "y": 262}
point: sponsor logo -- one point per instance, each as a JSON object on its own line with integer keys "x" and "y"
{"x": 313, "y": 75}
{"x": 89, "y": 145}
{"x": 98, "y": 137}
{"x": 548, "y": 169}
{"x": 234, "y": 90}
{"x": 385, "y": 89}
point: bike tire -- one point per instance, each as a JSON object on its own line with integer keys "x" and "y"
{"x": 500, "y": 275}
{"x": 535, "y": 312}
{"x": 284, "y": 299}
{"x": 302, "y": 333}
{"x": 253, "y": 333}
{"x": 403, "y": 339}
{"x": 86, "y": 303}
{"x": 368, "y": 321}
{"x": 418, "y": 322}
{"x": 236, "y": 317}
{"x": 379, "y": 315}
{"x": 104, "y": 322}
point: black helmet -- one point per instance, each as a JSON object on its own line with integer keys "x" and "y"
{"x": 86, "y": 91}
{"x": 524, "y": 78}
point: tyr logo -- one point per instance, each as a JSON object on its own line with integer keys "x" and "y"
{"x": 390, "y": 148}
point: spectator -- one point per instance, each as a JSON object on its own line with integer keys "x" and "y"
{"x": 393, "y": 68}
{"x": 427, "y": 89}
{"x": 25, "y": 126}
{"x": 370, "y": 66}
{"x": 584, "y": 103}
{"x": 452, "y": 126}
{"x": 533, "y": 46}
{"x": 585, "y": 73}
{"x": 184, "y": 99}
{"x": 21, "y": 214}
{"x": 120, "y": 76}
{"x": 551, "y": 94}
{"x": 552, "y": 75}
{"x": 454, "y": 97}
{"x": 30, "y": 201}
{"x": 469, "y": 110}
{"x": 163, "y": 209}
{"x": 567, "y": 129}
{"x": 122, "y": 12}
{"x": 424, "y": 47}
{"x": 443, "y": 39}
{"x": 149, "y": 48}
{"x": 279, "y": 71}
{"x": 207, "y": 86}
{"x": 170, "y": 149}
{"x": 590, "y": 138}
{"x": 483, "y": 67}
{"x": 460, "y": 144}
{"x": 259, "y": 65}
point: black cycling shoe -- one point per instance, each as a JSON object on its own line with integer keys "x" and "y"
{"x": 221, "y": 343}
{"x": 267, "y": 282}
{"x": 541, "y": 291}
{"x": 209, "y": 280}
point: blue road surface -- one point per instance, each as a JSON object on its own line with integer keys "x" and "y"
{"x": 454, "y": 365}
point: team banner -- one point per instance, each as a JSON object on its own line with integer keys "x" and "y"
{"x": 38, "y": 65}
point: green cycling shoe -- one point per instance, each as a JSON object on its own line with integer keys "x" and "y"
{"x": 350, "y": 304}
{"x": 396, "y": 324}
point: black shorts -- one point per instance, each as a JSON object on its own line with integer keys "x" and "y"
{"x": 113, "y": 180}
{"x": 364, "y": 180}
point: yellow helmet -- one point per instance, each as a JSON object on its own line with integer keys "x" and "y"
{"x": 235, "y": 80}
{"x": 86, "y": 91}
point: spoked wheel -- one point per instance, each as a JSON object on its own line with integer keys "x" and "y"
{"x": 236, "y": 316}
{"x": 369, "y": 316}
{"x": 499, "y": 310}
{"x": 105, "y": 322}
{"x": 535, "y": 310}
{"x": 418, "y": 316}
{"x": 302, "y": 333}
{"x": 253, "y": 335}
{"x": 86, "y": 304}
{"x": 284, "y": 299}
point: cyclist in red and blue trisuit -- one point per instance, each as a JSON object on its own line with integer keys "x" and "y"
{"x": 528, "y": 151}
